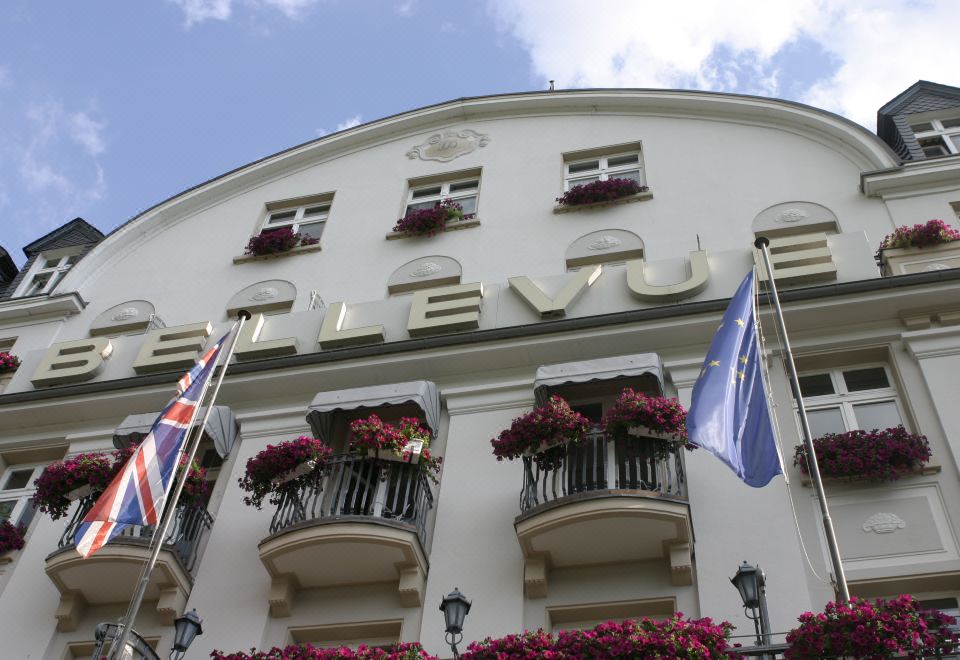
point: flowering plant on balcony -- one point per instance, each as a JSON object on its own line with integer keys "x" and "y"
{"x": 275, "y": 241}
{"x": 408, "y": 442}
{"x": 60, "y": 481}
{"x": 542, "y": 433}
{"x": 600, "y": 191}
{"x": 11, "y": 536}
{"x": 859, "y": 629}
{"x": 409, "y": 651}
{"x": 194, "y": 489}
{"x": 427, "y": 222}
{"x": 672, "y": 638}
{"x": 932, "y": 232}
{"x": 879, "y": 455}
{"x": 282, "y": 468}
{"x": 8, "y": 362}
{"x": 663, "y": 416}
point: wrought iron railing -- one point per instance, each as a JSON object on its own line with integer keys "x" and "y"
{"x": 350, "y": 485}
{"x": 189, "y": 526}
{"x": 601, "y": 463}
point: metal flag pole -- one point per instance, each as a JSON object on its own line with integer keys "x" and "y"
{"x": 116, "y": 649}
{"x": 762, "y": 244}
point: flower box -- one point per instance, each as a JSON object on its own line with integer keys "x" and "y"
{"x": 545, "y": 445}
{"x": 452, "y": 225}
{"x": 904, "y": 261}
{"x": 11, "y": 537}
{"x": 8, "y": 362}
{"x": 79, "y": 493}
{"x": 429, "y": 221}
{"x": 295, "y": 473}
{"x": 627, "y": 199}
{"x": 878, "y": 455}
{"x": 411, "y": 453}
{"x": 640, "y": 431}
{"x": 542, "y": 434}
{"x": 282, "y": 468}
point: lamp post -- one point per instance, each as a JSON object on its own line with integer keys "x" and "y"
{"x": 751, "y": 583}
{"x": 186, "y": 628}
{"x": 455, "y": 608}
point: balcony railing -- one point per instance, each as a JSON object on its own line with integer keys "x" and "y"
{"x": 189, "y": 526}
{"x": 601, "y": 463}
{"x": 350, "y": 485}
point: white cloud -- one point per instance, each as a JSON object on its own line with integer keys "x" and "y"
{"x": 55, "y": 158}
{"x": 880, "y": 47}
{"x": 197, "y": 11}
{"x": 349, "y": 122}
{"x": 406, "y": 7}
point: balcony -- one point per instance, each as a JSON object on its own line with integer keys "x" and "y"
{"x": 361, "y": 521}
{"x": 110, "y": 575}
{"x": 633, "y": 501}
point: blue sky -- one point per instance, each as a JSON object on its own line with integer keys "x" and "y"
{"x": 110, "y": 107}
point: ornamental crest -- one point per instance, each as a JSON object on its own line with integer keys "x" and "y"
{"x": 126, "y": 313}
{"x": 604, "y": 243}
{"x": 265, "y": 293}
{"x": 425, "y": 269}
{"x": 449, "y": 144}
{"x": 883, "y": 523}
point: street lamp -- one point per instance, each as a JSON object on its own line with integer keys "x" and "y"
{"x": 751, "y": 583}
{"x": 186, "y": 628}
{"x": 455, "y": 607}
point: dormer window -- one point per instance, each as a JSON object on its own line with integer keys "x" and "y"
{"x": 938, "y": 137}
{"x": 47, "y": 271}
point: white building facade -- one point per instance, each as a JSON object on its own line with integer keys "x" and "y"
{"x": 466, "y": 329}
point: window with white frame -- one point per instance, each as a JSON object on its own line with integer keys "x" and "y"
{"x": 464, "y": 192}
{"x": 16, "y": 489}
{"x": 938, "y": 137}
{"x": 622, "y": 165}
{"x": 850, "y": 398}
{"x": 308, "y": 220}
{"x": 47, "y": 271}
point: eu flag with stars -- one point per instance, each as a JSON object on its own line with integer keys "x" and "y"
{"x": 728, "y": 414}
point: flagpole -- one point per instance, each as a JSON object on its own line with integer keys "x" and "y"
{"x": 116, "y": 649}
{"x": 762, "y": 244}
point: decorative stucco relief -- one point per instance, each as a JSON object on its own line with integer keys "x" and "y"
{"x": 883, "y": 523}
{"x": 449, "y": 144}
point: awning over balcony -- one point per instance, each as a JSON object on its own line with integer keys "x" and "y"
{"x": 586, "y": 371}
{"x": 222, "y": 428}
{"x": 422, "y": 393}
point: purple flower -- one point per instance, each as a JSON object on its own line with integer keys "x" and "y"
{"x": 11, "y": 536}
{"x": 276, "y": 460}
{"x": 427, "y": 222}
{"x": 879, "y": 455}
{"x": 275, "y": 241}
{"x": 933, "y": 232}
{"x": 406, "y": 651}
{"x": 600, "y": 191}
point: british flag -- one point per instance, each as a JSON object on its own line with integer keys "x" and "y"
{"x": 136, "y": 495}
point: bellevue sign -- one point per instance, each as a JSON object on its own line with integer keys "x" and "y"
{"x": 443, "y": 309}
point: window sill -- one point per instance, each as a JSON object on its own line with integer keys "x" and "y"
{"x": 302, "y": 249}
{"x": 450, "y": 226}
{"x": 639, "y": 197}
{"x": 933, "y": 467}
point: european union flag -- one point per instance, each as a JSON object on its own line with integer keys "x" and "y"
{"x": 728, "y": 415}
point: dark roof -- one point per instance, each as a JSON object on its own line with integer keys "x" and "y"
{"x": 893, "y": 126}
{"x": 8, "y": 269}
{"x": 76, "y": 232}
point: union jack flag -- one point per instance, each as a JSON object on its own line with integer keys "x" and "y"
{"x": 136, "y": 495}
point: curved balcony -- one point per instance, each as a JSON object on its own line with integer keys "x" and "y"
{"x": 620, "y": 494}
{"x": 360, "y": 521}
{"x": 110, "y": 575}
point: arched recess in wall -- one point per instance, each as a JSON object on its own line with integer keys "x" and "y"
{"x": 799, "y": 245}
{"x": 263, "y": 298}
{"x": 127, "y": 317}
{"x": 604, "y": 246}
{"x": 425, "y": 273}
{"x": 792, "y": 218}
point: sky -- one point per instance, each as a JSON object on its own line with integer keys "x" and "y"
{"x": 108, "y": 107}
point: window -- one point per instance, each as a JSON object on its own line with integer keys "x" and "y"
{"x": 938, "y": 137}
{"x": 47, "y": 271}
{"x": 308, "y": 220}
{"x": 850, "y": 398}
{"x": 460, "y": 191}
{"x": 16, "y": 488}
{"x": 624, "y": 165}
